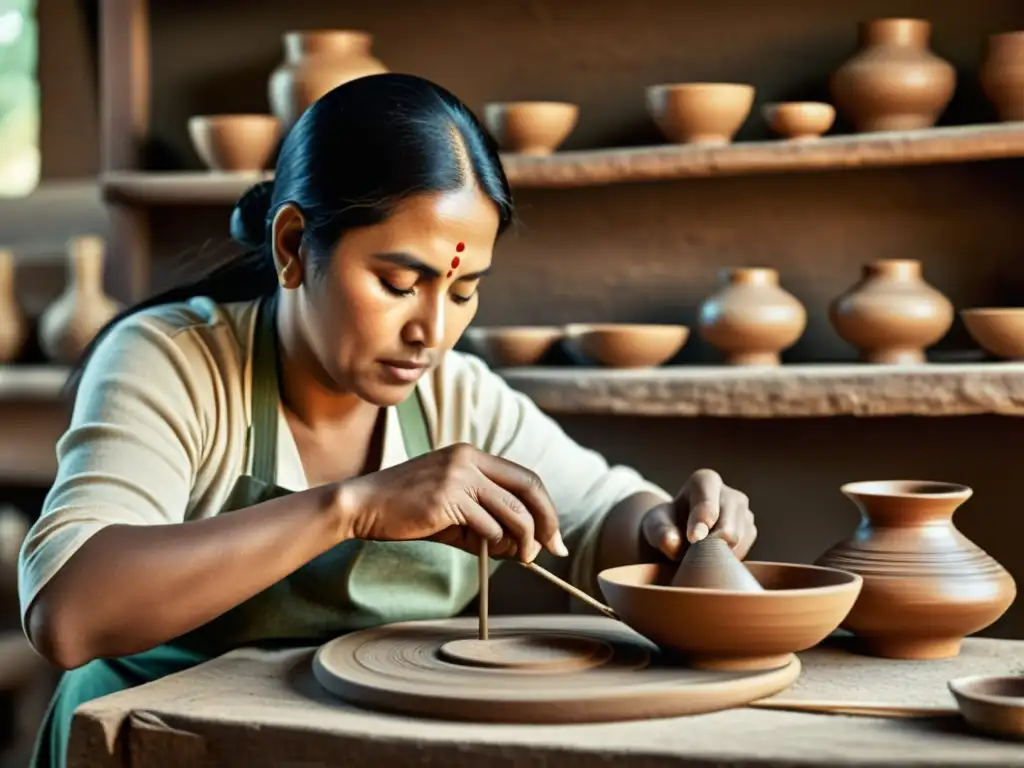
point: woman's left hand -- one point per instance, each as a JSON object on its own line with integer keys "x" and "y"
{"x": 704, "y": 504}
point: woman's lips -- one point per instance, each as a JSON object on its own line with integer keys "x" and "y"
{"x": 404, "y": 371}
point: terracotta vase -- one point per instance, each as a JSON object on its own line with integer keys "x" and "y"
{"x": 1002, "y": 75}
{"x": 891, "y": 315}
{"x": 894, "y": 82}
{"x": 926, "y": 586}
{"x": 13, "y": 328}
{"x": 314, "y": 63}
{"x": 70, "y": 323}
{"x": 751, "y": 318}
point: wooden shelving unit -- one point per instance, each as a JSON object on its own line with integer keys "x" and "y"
{"x": 34, "y": 416}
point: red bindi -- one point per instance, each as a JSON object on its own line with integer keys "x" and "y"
{"x": 460, "y": 247}
{"x": 449, "y": 273}
{"x": 455, "y": 262}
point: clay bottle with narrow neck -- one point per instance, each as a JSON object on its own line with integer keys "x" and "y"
{"x": 894, "y": 82}
{"x": 70, "y": 323}
{"x": 751, "y": 318}
{"x": 891, "y": 315}
{"x": 13, "y": 328}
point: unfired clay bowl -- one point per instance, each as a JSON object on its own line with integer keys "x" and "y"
{"x": 994, "y": 705}
{"x": 626, "y": 345}
{"x": 515, "y": 345}
{"x": 720, "y": 629}
{"x": 800, "y": 120}
{"x": 999, "y": 331}
{"x": 530, "y": 127}
{"x": 234, "y": 142}
{"x": 699, "y": 113}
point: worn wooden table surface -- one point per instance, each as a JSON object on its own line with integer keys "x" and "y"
{"x": 262, "y": 708}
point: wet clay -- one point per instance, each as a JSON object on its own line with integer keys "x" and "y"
{"x": 402, "y": 668}
{"x": 711, "y": 564}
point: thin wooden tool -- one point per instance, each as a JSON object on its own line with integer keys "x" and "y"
{"x": 855, "y": 708}
{"x": 577, "y": 593}
{"x": 485, "y": 587}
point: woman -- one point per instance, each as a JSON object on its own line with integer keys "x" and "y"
{"x": 310, "y": 390}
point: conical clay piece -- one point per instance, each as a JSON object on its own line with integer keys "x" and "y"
{"x": 711, "y": 564}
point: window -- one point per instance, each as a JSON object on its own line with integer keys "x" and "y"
{"x": 19, "y": 98}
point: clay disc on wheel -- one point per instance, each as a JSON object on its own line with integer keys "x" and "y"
{"x": 543, "y": 669}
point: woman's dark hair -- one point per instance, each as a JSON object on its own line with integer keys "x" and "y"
{"x": 347, "y": 162}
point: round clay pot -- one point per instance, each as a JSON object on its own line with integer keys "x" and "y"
{"x": 800, "y": 120}
{"x": 316, "y": 62}
{"x": 894, "y": 82}
{"x": 1002, "y": 75}
{"x": 891, "y": 315}
{"x": 517, "y": 345}
{"x": 626, "y": 345}
{"x": 70, "y": 323}
{"x": 999, "y": 331}
{"x": 991, "y": 704}
{"x": 799, "y": 607}
{"x": 13, "y": 328}
{"x": 234, "y": 142}
{"x": 926, "y": 586}
{"x": 700, "y": 113}
{"x": 751, "y": 318}
{"x": 530, "y": 127}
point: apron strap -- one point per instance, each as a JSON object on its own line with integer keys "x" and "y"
{"x": 413, "y": 423}
{"x": 265, "y": 395}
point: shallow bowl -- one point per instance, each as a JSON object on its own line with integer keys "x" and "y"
{"x": 234, "y": 142}
{"x": 515, "y": 345}
{"x": 721, "y": 629}
{"x": 994, "y": 705}
{"x": 799, "y": 120}
{"x": 628, "y": 345}
{"x": 530, "y": 127}
{"x": 997, "y": 330}
{"x": 699, "y": 113}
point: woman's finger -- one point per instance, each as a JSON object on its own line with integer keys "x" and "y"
{"x": 661, "y": 530}
{"x": 511, "y": 513}
{"x": 703, "y": 493}
{"x": 734, "y": 508}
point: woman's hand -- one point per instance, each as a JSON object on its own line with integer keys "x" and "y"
{"x": 704, "y": 504}
{"x": 457, "y": 495}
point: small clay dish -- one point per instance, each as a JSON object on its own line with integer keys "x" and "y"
{"x": 515, "y": 345}
{"x": 530, "y": 127}
{"x": 800, "y": 120}
{"x": 737, "y": 630}
{"x": 234, "y": 142}
{"x": 994, "y": 705}
{"x": 699, "y": 113}
{"x": 628, "y": 345}
{"x": 999, "y": 331}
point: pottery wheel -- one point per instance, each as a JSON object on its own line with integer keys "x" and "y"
{"x": 536, "y": 669}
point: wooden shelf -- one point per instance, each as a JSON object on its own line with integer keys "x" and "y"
{"x": 817, "y": 390}
{"x": 34, "y": 416}
{"x": 658, "y": 163}
{"x": 37, "y": 383}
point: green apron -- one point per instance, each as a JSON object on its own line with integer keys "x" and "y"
{"x": 355, "y": 585}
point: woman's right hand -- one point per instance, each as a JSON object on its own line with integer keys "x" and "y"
{"x": 457, "y": 495}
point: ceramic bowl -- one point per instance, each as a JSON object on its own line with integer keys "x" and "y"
{"x": 994, "y": 705}
{"x": 699, "y": 113}
{"x": 515, "y": 345}
{"x": 627, "y": 345}
{"x": 234, "y": 142}
{"x": 530, "y": 127}
{"x": 723, "y": 629}
{"x": 999, "y": 331}
{"x": 800, "y": 120}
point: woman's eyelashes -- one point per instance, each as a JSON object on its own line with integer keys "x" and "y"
{"x": 397, "y": 291}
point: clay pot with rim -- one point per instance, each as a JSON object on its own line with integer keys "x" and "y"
{"x": 751, "y": 318}
{"x": 991, "y": 704}
{"x": 514, "y": 346}
{"x": 891, "y": 315}
{"x": 699, "y": 113}
{"x": 628, "y": 345}
{"x": 530, "y": 127}
{"x": 799, "y": 606}
{"x": 69, "y": 324}
{"x": 926, "y": 585}
{"x": 315, "y": 62}
{"x": 13, "y": 328}
{"x": 1002, "y": 75}
{"x": 997, "y": 330}
{"x": 894, "y": 82}
{"x": 234, "y": 142}
{"x": 799, "y": 120}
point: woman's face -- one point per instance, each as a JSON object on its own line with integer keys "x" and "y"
{"x": 396, "y": 296}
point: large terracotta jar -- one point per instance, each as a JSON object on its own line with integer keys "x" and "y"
{"x": 751, "y": 319}
{"x": 926, "y": 586}
{"x": 314, "y": 63}
{"x": 894, "y": 82}
{"x": 1002, "y": 75}
{"x": 891, "y": 315}
{"x": 13, "y": 328}
{"x": 73, "y": 320}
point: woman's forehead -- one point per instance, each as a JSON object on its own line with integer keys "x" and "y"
{"x": 434, "y": 225}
